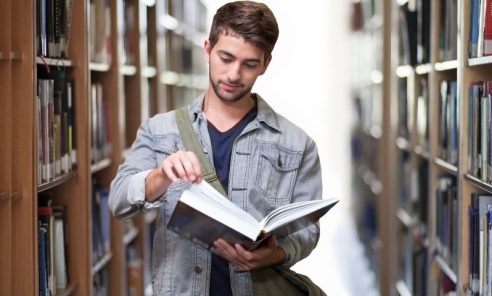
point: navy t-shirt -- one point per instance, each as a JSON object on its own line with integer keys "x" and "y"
{"x": 222, "y": 142}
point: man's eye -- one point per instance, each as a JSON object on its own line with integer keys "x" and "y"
{"x": 251, "y": 66}
{"x": 225, "y": 60}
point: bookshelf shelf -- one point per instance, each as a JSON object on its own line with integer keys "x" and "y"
{"x": 102, "y": 263}
{"x": 480, "y": 61}
{"x": 479, "y": 183}
{"x": 402, "y": 289}
{"x": 130, "y": 236}
{"x": 54, "y": 62}
{"x": 446, "y": 66}
{"x": 57, "y": 181}
{"x": 405, "y": 218}
{"x": 445, "y": 268}
{"x": 99, "y": 67}
{"x": 446, "y": 166}
{"x": 149, "y": 72}
{"x": 128, "y": 70}
{"x": 69, "y": 290}
{"x": 100, "y": 165}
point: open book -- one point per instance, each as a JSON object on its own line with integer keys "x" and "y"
{"x": 203, "y": 215}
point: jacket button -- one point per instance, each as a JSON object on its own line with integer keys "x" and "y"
{"x": 198, "y": 269}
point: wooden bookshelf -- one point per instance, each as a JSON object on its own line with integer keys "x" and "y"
{"x": 431, "y": 135}
{"x": 373, "y": 201}
{"x": 132, "y": 89}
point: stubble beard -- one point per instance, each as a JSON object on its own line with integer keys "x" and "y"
{"x": 227, "y": 96}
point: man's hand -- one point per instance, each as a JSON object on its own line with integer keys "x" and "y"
{"x": 268, "y": 255}
{"x": 181, "y": 164}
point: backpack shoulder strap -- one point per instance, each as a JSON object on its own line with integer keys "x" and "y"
{"x": 191, "y": 143}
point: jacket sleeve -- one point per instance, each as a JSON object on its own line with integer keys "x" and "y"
{"x": 299, "y": 245}
{"x": 127, "y": 190}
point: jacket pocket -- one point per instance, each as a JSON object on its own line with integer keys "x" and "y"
{"x": 163, "y": 146}
{"x": 277, "y": 172}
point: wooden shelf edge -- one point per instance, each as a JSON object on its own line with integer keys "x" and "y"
{"x": 101, "y": 263}
{"x": 422, "y": 152}
{"x": 99, "y": 67}
{"x": 57, "y": 181}
{"x": 54, "y": 62}
{"x": 128, "y": 70}
{"x": 100, "y": 165}
{"x": 402, "y": 288}
{"x": 446, "y": 166}
{"x": 479, "y": 183}
{"x": 403, "y": 144}
{"x": 130, "y": 236}
{"x": 480, "y": 61}
{"x": 446, "y": 65}
{"x": 445, "y": 268}
{"x": 69, "y": 290}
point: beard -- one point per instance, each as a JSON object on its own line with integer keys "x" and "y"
{"x": 228, "y": 97}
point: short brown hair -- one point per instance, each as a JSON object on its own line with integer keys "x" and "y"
{"x": 250, "y": 20}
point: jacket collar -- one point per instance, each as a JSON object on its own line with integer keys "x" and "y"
{"x": 265, "y": 113}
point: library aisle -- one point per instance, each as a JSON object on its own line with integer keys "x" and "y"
{"x": 338, "y": 264}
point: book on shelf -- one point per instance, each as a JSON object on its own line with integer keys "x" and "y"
{"x": 203, "y": 215}
{"x": 61, "y": 246}
{"x": 423, "y": 31}
{"x": 53, "y": 23}
{"x": 100, "y": 31}
{"x": 480, "y": 252}
{"x": 101, "y": 222}
{"x": 46, "y": 221}
{"x": 422, "y": 114}
{"x": 474, "y": 28}
{"x": 475, "y": 93}
{"x": 56, "y": 139}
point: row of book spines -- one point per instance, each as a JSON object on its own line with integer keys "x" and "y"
{"x": 101, "y": 145}
{"x": 480, "y": 21}
{"x": 52, "y": 249}
{"x": 421, "y": 124}
{"x": 414, "y": 264}
{"x": 100, "y": 32}
{"x": 53, "y": 23}
{"x": 480, "y": 223}
{"x": 56, "y": 138}
{"x": 479, "y": 130}
{"x": 480, "y": 28}
{"x": 446, "y": 219}
{"x": 448, "y": 122}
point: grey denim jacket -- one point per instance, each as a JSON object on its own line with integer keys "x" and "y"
{"x": 273, "y": 162}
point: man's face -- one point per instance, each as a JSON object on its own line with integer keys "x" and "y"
{"x": 234, "y": 66}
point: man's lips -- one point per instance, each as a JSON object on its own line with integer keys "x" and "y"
{"x": 230, "y": 87}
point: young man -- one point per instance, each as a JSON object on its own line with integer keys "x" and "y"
{"x": 262, "y": 160}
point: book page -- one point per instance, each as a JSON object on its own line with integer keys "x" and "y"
{"x": 311, "y": 210}
{"x": 210, "y": 202}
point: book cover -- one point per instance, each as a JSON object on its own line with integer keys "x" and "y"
{"x": 203, "y": 215}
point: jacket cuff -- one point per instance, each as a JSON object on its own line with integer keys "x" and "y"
{"x": 136, "y": 192}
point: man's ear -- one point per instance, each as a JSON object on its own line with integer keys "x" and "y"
{"x": 267, "y": 62}
{"x": 206, "y": 50}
